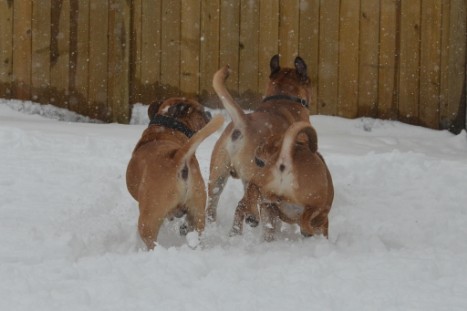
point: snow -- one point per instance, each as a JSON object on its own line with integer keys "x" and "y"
{"x": 68, "y": 241}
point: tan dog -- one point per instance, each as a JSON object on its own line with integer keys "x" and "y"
{"x": 163, "y": 174}
{"x": 296, "y": 186}
{"x": 287, "y": 98}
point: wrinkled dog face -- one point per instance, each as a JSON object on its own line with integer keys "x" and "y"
{"x": 184, "y": 110}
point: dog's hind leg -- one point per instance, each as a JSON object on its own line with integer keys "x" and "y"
{"x": 196, "y": 217}
{"x": 247, "y": 210}
{"x": 314, "y": 222}
{"x": 219, "y": 172}
{"x": 239, "y": 216}
{"x": 148, "y": 228}
{"x": 253, "y": 197}
{"x": 270, "y": 220}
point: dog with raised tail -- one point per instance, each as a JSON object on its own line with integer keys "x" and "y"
{"x": 296, "y": 185}
{"x": 286, "y": 101}
{"x": 163, "y": 174}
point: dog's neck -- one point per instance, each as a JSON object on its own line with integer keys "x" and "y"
{"x": 296, "y": 99}
{"x": 171, "y": 123}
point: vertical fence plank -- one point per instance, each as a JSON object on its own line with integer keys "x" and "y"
{"x": 190, "y": 32}
{"x": 369, "y": 60}
{"x": 22, "y": 14}
{"x": 209, "y": 53}
{"x": 60, "y": 52}
{"x": 229, "y": 41}
{"x": 348, "y": 59}
{"x": 170, "y": 46}
{"x": 309, "y": 44}
{"x": 119, "y": 55}
{"x": 328, "y": 57}
{"x": 151, "y": 32}
{"x": 388, "y": 59}
{"x": 79, "y": 82}
{"x": 445, "y": 118}
{"x": 136, "y": 53}
{"x": 289, "y": 31}
{"x": 453, "y": 64}
{"x": 268, "y": 39}
{"x": 248, "y": 63}
{"x": 459, "y": 37}
{"x": 409, "y": 61}
{"x": 98, "y": 43}
{"x": 40, "y": 72}
{"x": 430, "y": 62}
{"x": 6, "y": 48}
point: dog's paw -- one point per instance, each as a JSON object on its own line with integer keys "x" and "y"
{"x": 306, "y": 234}
{"x": 252, "y": 221}
{"x": 184, "y": 229}
{"x": 235, "y": 231}
{"x": 211, "y": 215}
{"x": 192, "y": 239}
{"x": 268, "y": 237}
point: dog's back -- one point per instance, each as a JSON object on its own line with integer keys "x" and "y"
{"x": 163, "y": 174}
{"x": 286, "y": 100}
{"x": 300, "y": 178}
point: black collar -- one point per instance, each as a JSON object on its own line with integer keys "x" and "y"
{"x": 171, "y": 123}
{"x": 296, "y": 99}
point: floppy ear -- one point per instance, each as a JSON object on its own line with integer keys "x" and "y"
{"x": 301, "y": 69}
{"x": 154, "y": 108}
{"x": 274, "y": 64}
{"x": 179, "y": 110}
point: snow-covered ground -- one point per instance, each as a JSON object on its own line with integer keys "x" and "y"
{"x": 398, "y": 226}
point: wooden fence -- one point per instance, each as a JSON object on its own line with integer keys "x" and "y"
{"x": 397, "y": 59}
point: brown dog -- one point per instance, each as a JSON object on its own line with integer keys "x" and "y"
{"x": 163, "y": 174}
{"x": 286, "y": 101}
{"x": 296, "y": 185}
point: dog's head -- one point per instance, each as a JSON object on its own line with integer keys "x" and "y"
{"x": 289, "y": 81}
{"x": 187, "y": 111}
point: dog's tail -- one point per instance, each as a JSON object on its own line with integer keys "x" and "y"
{"x": 290, "y": 136}
{"x": 187, "y": 150}
{"x": 235, "y": 111}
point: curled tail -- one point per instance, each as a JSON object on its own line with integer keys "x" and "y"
{"x": 234, "y": 110}
{"x": 290, "y": 136}
{"x": 187, "y": 150}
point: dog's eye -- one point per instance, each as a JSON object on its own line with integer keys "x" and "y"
{"x": 259, "y": 162}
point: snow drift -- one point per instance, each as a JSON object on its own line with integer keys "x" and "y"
{"x": 68, "y": 241}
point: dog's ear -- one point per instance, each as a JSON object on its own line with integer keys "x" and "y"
{"x": 179, "y": 110}
{"x": 301, "y": 68}
{"x": 274, "y": 64}
{"x": 154, "y": 108}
